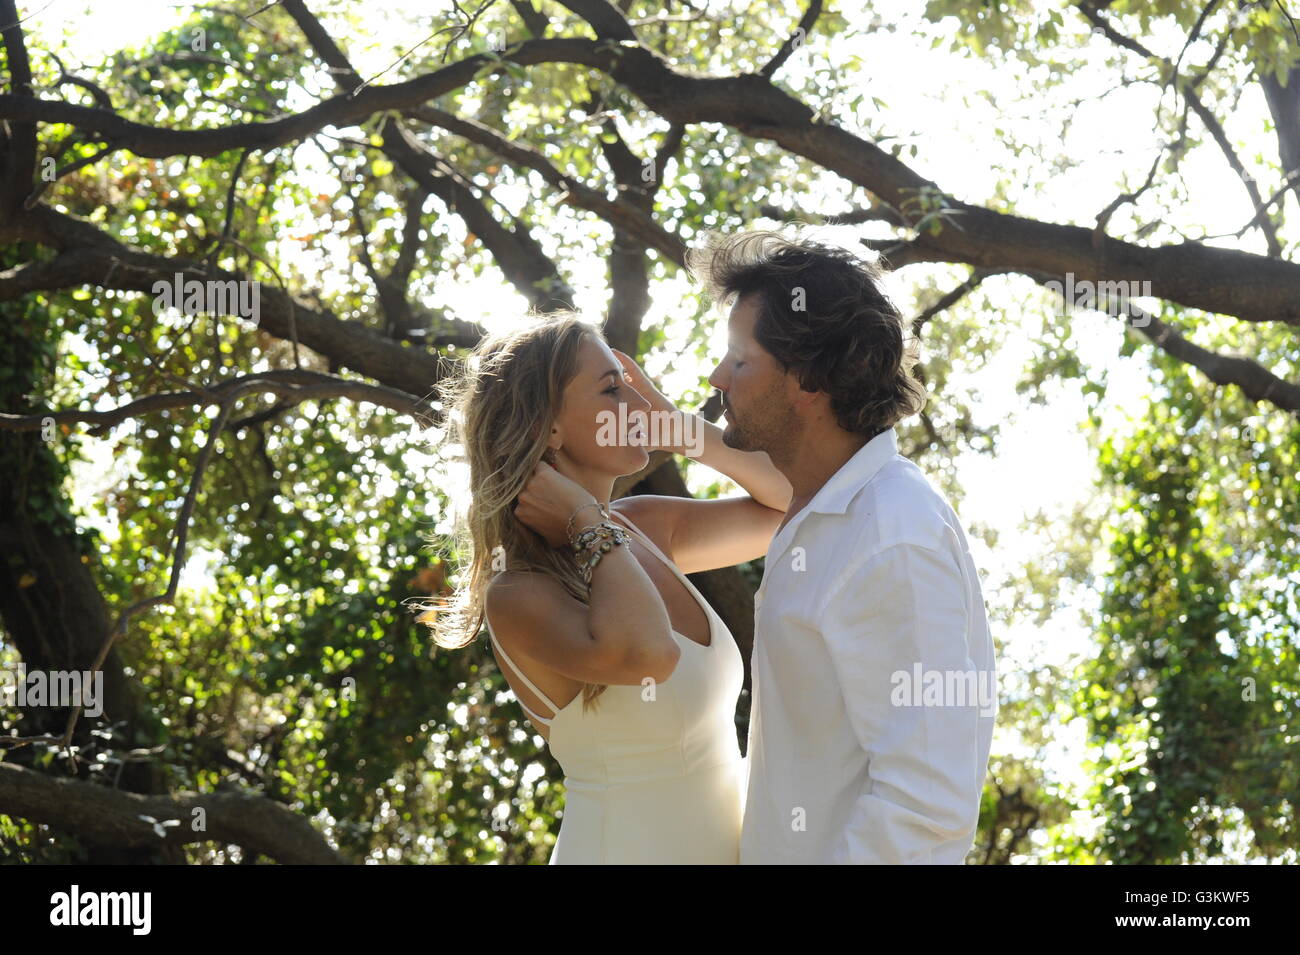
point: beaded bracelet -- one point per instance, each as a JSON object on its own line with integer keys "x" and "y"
{"x": 591, "y": 537}
{"x": 588, "y": 535}
{"x": 597, "y": 541}
{"x": 568, "y": 528}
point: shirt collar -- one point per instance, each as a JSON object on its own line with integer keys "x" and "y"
{"x": 834, "y": 496}
{"x": 840, "y": 489}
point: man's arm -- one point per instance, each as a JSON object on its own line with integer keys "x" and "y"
{"x": 902, "y": 606}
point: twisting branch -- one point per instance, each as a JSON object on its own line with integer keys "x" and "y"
{"x": 1125, "y": 198}
{"x": 95, "y": 259}
{"x": 230, "y": 204}
{"x": 604, "y": 18}
{"x": 874, "y": 213}
{"x": 796, "y": 39}
{"x": 413, "y": 207}
{"x": 672, "y": 142}
{"x": 1195, "y": 32}
{"x": 618, "y": 212}
{"x": 340, "y": 68}
{"x": 292, "y": 386}
{"x": 517, "y": 254}
{"x": 1255, "y": 381}
{"x": 953, "y": 296}
{"x": 1203, "y": 112}
{"x": 1293, "y": 179}
{"x": 102, "y": 99}
{"x": 69, "y": 169}
{"x": 107, "y": 816}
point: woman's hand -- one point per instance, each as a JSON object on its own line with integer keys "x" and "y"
{"x": 549, "y": 499}
{"x": 637, "y": 378}
{"x": 675, "y": 430}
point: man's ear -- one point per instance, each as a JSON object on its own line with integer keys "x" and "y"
{"x": 799, "y": 394}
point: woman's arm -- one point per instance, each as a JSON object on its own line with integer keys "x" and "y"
{"x": 622, "y": 637}
{"x": 752, "y": 470}
{"x": 704, "y": 535}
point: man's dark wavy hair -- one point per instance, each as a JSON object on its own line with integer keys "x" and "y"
{"x": 848, "y": 341}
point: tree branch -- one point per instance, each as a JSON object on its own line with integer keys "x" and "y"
{"x": 292, "y": 387}
{"x": 107, "y": 264}
{"x": 1255, "y": 381}
{"x": 517, "y": 254}
{"x": 953, "y": 296}
{"x": 796, "y": 39}
{"x": 534, "y": 19}
{"x": 113, "y": 817}
{"x": 1206, "y": 116}
{"x": 1284, "y": 106}
{"x": 604, "y": 18}
{"x": 858, "y": 216}
{"x": 1227, "y": 281}
{"x": 617, "y": 212}
{"x": 18, "y": 165}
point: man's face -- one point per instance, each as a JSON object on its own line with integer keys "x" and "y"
{"x": 756, "y": 392}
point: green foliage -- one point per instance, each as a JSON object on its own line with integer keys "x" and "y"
{"x": 1191, "y": 700}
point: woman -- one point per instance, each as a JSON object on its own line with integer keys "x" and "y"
{"x": 618, "y": 661}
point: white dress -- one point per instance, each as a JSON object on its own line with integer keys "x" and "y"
{"x": 652, "y": 774}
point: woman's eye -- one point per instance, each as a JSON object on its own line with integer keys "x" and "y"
{"x": 612, "y": 390}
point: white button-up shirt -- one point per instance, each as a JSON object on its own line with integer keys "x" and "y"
{"x": 874, "y": 686}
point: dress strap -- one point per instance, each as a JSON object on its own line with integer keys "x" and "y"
{"x": 532, "y": 714}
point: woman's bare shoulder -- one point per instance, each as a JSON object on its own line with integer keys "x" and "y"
{"x": 520, "y": 600}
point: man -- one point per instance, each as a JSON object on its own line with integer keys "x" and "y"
{"x": 873, "y": 667}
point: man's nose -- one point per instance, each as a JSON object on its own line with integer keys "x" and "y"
{"x": 717, "y": 379}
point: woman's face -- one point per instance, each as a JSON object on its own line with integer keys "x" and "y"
{"x": 601, "y": 427}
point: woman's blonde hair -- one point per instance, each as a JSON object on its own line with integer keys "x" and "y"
{"x": 500, "y": 406}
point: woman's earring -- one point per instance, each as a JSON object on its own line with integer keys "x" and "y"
{"x": 549, "y": 456}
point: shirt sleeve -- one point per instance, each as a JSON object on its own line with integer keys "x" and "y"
{"x": 904, "y": 610}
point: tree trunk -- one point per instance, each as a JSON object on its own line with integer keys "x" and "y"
{"x": 52, "y": 610}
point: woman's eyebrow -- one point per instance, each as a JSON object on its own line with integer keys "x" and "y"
{"x": 616, "y": 372}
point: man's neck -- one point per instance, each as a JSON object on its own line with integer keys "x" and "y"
{"x": 813, "y": 461}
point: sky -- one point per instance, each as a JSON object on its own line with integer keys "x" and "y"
{"x": 1044, "y": 463}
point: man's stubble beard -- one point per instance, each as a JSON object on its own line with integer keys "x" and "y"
{"x": 773, "y": 436}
